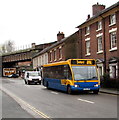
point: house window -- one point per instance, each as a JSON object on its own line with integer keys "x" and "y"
{"x": 87, "y": 30}
{"x": 99, "y": 44}
{"x": 99, "y": 25}
{"x": 113, "y": 40}
{"x": 55, "y": 55}
{"x": 112, "y": 19}
{"x": 100, "y": 69}
{"x": 60, "y": 52}
{"x": 50, "y": 56}
{"x": 46, "y": 58}
{"x": 113, "y": 71}
{"x": 42, "y": 59}
{"x": 88, "y": 47}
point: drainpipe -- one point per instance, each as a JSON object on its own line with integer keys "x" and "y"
{"x": 104, "y": 45}
{"x": 80, "y": 44}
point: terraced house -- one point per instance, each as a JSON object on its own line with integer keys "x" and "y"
{"x": 65, "y": 48}
{"x": 99, "y": 38}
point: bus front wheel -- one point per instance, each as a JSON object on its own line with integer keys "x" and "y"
{"x": 69, "y": 91}
{"x": 47, "y": 85}
{"x": 95, "y": 91}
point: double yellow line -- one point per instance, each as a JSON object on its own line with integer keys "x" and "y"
{"x": 35, "y": 110}
{"x": 22, "y": 102}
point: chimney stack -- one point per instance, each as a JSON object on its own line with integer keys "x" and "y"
{"x": 60, "y": 36}
{"x": 97, "y": 8}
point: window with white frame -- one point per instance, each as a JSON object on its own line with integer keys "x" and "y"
{"x": 88, "y": 47}
{"x": 112, "y": 19}
{"x": 113, "y": 70}
{"x": 99, "y": 25}
{"x": 46, "y": 58}
{"x": 100, "y": 69}
{"x": 60, "y": 52}
{"x": 87, "y": 30}
{"x": 113, "y": 40}
{"x": 42, "y": 59}
{"x": 55, "y": 55}
{"x": 50, "y": 56}
{"x": 99, "y": 44}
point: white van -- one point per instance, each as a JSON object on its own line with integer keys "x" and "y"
{"x": 32, "y": 77}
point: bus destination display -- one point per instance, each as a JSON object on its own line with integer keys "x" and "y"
{"x": 83, "y": 62}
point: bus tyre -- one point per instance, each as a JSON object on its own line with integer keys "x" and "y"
{"x": 47, "y": 85}
{"x": 95, "y": 91}
{"x": 69, "y": 90}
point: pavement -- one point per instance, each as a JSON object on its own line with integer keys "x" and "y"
{"x": 109, "y": 91}
{"x": 11, "y": 109}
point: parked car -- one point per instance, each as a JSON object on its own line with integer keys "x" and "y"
{"x": 13, "y": 76}
{"x": 32, "y": 77}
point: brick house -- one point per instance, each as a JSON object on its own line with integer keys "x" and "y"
{"x": 99, "y": 38}
{"x": 65, "y": 48}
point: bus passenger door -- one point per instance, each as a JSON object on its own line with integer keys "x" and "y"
{"x": 63, "y": 81}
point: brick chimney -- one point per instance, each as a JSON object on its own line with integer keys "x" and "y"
{"x": 97, "y": 8}
{"x": 60, "y": 36}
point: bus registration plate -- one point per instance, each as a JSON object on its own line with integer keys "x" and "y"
{"x": 86, "y": 89}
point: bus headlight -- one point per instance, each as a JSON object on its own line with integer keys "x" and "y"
{"x": 96, "y": 85}
{"x": 76, "y": 85}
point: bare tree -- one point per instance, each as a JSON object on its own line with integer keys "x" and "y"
{"x": 7, "y": 47}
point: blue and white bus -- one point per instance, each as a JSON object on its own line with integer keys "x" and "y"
{"x": 72, "y": 75}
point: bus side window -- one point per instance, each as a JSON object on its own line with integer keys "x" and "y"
{"x": 67, "y": 72}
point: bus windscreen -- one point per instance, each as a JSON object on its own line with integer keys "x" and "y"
{"x": 84, "y": 72}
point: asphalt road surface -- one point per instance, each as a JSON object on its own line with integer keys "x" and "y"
{"x": 43, "y": 103}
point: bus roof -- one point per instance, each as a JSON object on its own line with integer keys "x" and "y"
{"x": 64, "y": 62}
{"x": 56, "y": 63}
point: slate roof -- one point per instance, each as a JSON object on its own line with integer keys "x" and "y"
{"x": 52, "y": 46}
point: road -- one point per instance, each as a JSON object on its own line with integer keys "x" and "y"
{"x": 43, "y": 103}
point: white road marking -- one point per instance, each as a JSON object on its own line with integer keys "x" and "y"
{"x": 86, "y": 101}
{"x": 54, "y": 92}
{"x": 27, "y": 85}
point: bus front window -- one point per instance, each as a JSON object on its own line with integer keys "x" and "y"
{"x": 84, "y": 72}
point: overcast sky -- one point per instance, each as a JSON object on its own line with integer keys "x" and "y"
{"x": 39, "y": 21}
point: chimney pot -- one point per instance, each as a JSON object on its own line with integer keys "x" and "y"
{"x": 60, "y": 36}
{"x": 88, "y": 17}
